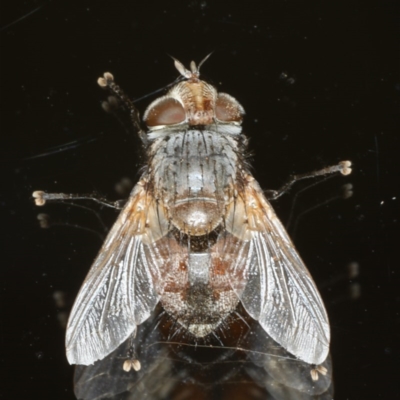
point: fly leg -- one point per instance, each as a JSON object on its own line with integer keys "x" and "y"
{"x": 41, "y": 198}
{"x": 107, "y": 81}
{"x": 344, "y": 167}
{"x": 131, "y": 362}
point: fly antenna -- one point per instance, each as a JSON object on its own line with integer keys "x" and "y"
{"x": 181, "y": 69}
{"x": 203, "y": 61}
{"x": 194, "y": 72}
{"x": 194, "y": 69}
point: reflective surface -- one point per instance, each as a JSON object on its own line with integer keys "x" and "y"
{"x": 237, "y": 363}
{"x": 319, "y": 84}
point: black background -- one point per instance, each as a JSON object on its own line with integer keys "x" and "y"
{"x": 319, "y": 82}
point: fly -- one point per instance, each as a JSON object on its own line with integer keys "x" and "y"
{"x": 197, "y": 235}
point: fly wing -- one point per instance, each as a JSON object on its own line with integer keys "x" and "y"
{"x": 121, "y": 289}
{"x": 272, "y": 281}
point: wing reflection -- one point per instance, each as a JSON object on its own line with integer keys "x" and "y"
{"x": 239, "y": 363}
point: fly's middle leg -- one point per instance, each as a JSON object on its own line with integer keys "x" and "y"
{"x": 344, "y": 167}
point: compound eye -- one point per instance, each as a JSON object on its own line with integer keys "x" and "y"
{"x": 227, "y": 109}
{"x": 166, "y": 111}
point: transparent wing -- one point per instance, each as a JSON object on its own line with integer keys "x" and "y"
{"x": 120, "y": 290}
{"x": 272, "y": 281}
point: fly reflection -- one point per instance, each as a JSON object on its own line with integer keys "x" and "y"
{"x": 198, "y": 239}
{"x": 241, "y": 364}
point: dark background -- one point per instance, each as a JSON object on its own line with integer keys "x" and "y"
{"x": 319, "y": 82}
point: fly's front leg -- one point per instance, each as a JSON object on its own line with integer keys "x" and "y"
{"x": 344, "y": 167}
{"x": 41, "y": 198}
{"x": 107, "y": 81}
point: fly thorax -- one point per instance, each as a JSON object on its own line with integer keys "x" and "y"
{"x": 193, "y": 170}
